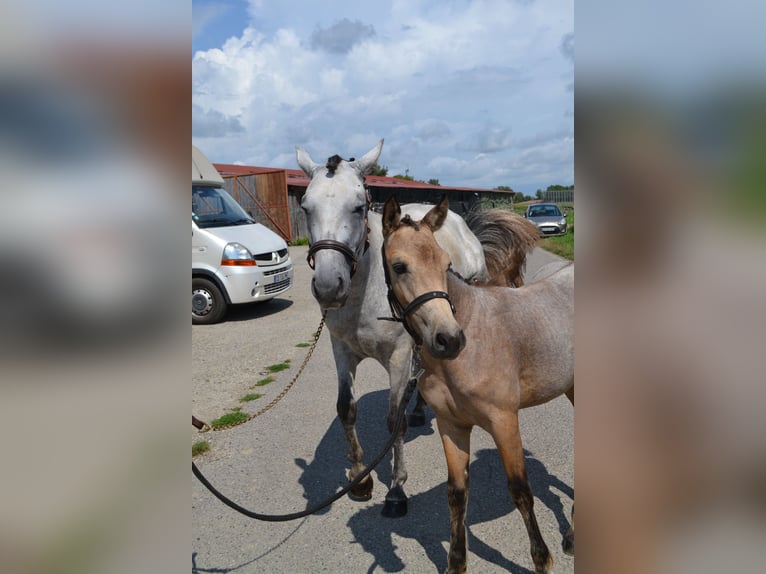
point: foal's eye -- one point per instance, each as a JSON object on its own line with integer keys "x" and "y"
{"x": 399, "y": 268}
{"x": 359, "y": 209}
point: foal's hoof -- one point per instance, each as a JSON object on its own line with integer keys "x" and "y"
{"x": 362, "y": 491}
{"x": 416, "y": 419}
{"x": 568, "y": 544}
{"x": 396, "y": 503}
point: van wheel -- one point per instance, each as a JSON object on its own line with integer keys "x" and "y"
{"x": 208, "y": 304}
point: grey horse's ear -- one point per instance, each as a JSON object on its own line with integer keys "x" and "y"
{"x": 308, "y": 165}
{"x": 365, "y": 163}
{"x": 391, "y": 215}
{"x": 436, "y": 216}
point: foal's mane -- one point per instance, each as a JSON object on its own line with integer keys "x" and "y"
{"x": 407, "y": 220}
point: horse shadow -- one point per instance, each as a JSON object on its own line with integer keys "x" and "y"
{"x": 427, "y": 521}
{"x": 329, "y": 467}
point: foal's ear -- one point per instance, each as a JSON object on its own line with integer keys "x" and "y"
{"x": 436, "y": 216}
{"x": 391, "y": 215}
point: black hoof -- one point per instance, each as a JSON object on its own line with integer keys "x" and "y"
{"x": 362, "y": 491}
{"x": 416, "y": 419}
{"x": 569, "y": 545}
{"x": 396, "y": 503}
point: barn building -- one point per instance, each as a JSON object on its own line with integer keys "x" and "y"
{"x": 272, "y": 195}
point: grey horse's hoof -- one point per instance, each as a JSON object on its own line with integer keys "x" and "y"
{"x": 362, "y": 491}
{"x": 568, "y": 544}
{"x": 396, "y": 503}
{"x": 416, "y": 419}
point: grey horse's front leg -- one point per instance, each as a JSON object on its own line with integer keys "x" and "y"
{"x": 346, "y": 363}
{"x": 395, "y": 505}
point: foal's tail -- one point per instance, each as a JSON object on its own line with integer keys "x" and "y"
{"x": 506, "y": 238}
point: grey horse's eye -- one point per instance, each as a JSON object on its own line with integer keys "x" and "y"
{"x": 399, "y": 268}
{"x": 360, "y": 208}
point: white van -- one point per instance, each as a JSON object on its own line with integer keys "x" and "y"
{"x": 234, "y": 259}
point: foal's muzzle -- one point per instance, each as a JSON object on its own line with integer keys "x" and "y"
{"x": 447, "y": 345}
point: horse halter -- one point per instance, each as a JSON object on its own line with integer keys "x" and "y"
{"x": 399, "y": 312}
{"x": 350, "y": 254}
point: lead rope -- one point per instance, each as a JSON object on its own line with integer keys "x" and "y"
{"x": 204, "y": 427}
{"x": 409, "y": 389}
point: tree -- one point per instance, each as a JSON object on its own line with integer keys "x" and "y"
{"x": 433, "y": 181}
{"x": 503, "y": 188}
{"x": 539, "y": 194}
{"x": 559, "y": 187}
{"x": 407, "y": 177}
{"x": 379, "y": 170}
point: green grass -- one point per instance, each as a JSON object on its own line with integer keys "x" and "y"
{"x": 299, "y": 241}
{"x": 229, "y": 418}
{"x": 562, "y": 245}
{"x": 250, "y": 397}
{"x": 279, "y": 366}
{"x": 263, "y": 382}
{"x": 199, "y": 447}
{"x": 303, "y": 345}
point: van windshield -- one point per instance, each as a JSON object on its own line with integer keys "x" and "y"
{"x": 214, "y": 207}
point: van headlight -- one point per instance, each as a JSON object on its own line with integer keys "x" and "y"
{"x": 237, "y": 254}
{"x": 563, "y": 221}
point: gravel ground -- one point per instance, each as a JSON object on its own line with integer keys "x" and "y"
{"x": 294, "y": 456}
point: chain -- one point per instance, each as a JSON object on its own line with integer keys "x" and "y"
{"x": 281, "y": 395}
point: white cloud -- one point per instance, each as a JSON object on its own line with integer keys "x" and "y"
{"x": 441, "y": 81}
{"x": 341, "y": 36}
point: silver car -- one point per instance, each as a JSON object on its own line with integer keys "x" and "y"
{"x": 548, "y": 218}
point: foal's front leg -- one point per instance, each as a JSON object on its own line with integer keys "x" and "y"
{"x": 457, "y": 448}
{"x": 508, "y": 440}
{"x": 346, "y": 363}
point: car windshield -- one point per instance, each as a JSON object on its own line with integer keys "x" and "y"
{"x": 544, "y": 211}
{"x": 214, "y": 207}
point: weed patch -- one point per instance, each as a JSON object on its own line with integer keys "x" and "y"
{"x": 250, "y": 397}
{"x": 263, "y": 382}
{"x": 279, "y": 367}
{"x": 229, "y": 418}
{"x": 199, "y": 447}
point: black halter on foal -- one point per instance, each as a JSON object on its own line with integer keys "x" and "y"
{"x": 350, "y": 254}
{"x": 399, "y": 312}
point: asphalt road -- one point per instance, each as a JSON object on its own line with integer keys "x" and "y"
{"x": 295, "y": 455}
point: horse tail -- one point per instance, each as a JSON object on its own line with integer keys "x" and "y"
{"x": 506, "y": 238}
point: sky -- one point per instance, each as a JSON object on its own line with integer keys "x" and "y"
{"x": 472, "y": 93}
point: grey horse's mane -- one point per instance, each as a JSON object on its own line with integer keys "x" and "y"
{"x": 333, "y": 162}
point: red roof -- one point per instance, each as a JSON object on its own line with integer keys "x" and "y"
{"x": 297, "y": 178}
{"x": 229, "y": 169}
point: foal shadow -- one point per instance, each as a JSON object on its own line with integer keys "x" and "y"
{"x": 428, "y": 519}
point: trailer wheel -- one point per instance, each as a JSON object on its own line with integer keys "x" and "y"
{"x": 208, "y": 303}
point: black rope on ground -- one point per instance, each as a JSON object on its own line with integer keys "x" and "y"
{"x": 317, "y": 507}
